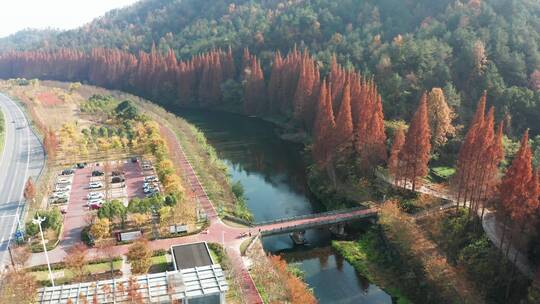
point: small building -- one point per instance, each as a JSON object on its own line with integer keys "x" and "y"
{"x": 195, "y": 280}
{"x": 191, "y": 255}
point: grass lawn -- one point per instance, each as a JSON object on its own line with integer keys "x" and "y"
{"x": 443, "y": 173}
{"x": 68, "y": 275}
{"x": 159, "y": 264}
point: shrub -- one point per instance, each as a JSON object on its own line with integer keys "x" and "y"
{"x": 101, "y": 229}
{"x": 139, "y": 256}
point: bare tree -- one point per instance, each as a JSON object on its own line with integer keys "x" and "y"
{"x": 20, "y": 256}
{"x": 18, "y": 287}
{"x": 76, "y": 260}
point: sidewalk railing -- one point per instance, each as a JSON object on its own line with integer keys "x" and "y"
{"x": 310, "y": 216}
{"x": 314, "y": 224}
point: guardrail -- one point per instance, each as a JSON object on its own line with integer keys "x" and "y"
{"x": 309, "y": 216}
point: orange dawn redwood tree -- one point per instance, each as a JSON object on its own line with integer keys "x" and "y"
{"x": 478, "y": 161}
{"x": 519, "y": 189}
{"x": 324, "y": 127}
{"x": 344, "y": 126}
{"x": 293, "y": 87}
{"x": 393, "y": 161}
{"x": 468, "y": 153}
{"x": 414, "y": 156}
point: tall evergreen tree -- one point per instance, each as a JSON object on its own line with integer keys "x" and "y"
{"x": 393, "y": 161}
{"x": 344, "y": 127}
{"x": 414, "y": 156}
{"x": 324, "y": 127}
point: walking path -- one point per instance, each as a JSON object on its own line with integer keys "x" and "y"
{"x": 491, "y": 227}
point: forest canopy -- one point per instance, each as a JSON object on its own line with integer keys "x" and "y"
{"x": 464, "y": 47}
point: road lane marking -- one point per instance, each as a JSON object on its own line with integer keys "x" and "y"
{"x": 26, "y": 122}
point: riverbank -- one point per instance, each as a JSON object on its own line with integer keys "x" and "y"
{"x": 397, "y": 248}
{"x": 351, "y": 189}
{"x": 364, "y": 256}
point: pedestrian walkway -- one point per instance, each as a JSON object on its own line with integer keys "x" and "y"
{"x": 491, "y": 227}
{"x": 126, "y": 268}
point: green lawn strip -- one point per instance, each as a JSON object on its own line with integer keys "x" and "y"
{"x": 215, "y": 257}
{"x": 363, "y": 257}
{"x": 68, "y": 275}
{"x": 443, "y": 172}
{"x": 159, "y": 264}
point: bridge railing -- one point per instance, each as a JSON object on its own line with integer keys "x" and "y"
{"x": 310, "y": 225}
{"x": 310, "y": 216}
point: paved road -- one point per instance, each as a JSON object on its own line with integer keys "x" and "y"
{"x": 22, "y": 157}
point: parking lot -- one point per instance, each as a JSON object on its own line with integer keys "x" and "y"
{"x": 95, "y": 183}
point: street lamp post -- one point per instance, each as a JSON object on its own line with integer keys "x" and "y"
{"x": 38, "y": 220}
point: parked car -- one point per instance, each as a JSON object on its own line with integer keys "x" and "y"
{"x": 63, "y": 180}
{"x": 59, "y": 200}
{"x": 95, "y": 185}
{"x": 150, "y": 184}
{"x": 63, "y": 188}
{"x": 97, "y": 173}
{"x": 152, "y": 189}
{"x": 95, "y": 206}
{"x": 81, "y": 165}
{"x": 95, "y": 195}
{"x": 117, "y": 173}
{"x": 134, "y": 160}
{"x": 117, "y": 179}
{"x": 68, "y": 172}
{"x": 61, "y": 194}
{"x": 146, "y": 167}
{"x": 150, "y": 178}
{"x": 94, "y": 201}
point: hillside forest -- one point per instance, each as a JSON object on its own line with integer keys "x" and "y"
{"x": 383, "y": 87}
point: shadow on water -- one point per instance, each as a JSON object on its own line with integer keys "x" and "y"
{"x": 273, "y": 174}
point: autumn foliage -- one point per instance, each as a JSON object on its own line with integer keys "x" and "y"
{"x": 478, "y": 160}
{"x": 413, "y": 156}
{"x": 519, "y": 188}
{"x": 293, "y": 89}
{"x": 298, "y": 293}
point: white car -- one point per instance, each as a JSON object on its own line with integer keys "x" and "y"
{"x": 151, "y": 190}
{"x": 64, "y": 180}
{"x": 97, "y": 201}
{"x": 61, "y": 194}
{"x": 150, "y": 178}
{"x": 150, "y": 184}
{"x": 63, "y": 188}
{"x": 95, "y": 195}
{"x": 95, "y": 185}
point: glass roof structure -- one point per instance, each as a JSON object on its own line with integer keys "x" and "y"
{"x": 164, "y": 287}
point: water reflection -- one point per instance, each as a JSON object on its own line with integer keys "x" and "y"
{"x": 273, "y": 175}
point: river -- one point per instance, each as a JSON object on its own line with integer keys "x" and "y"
{"x": 273, "y": 175}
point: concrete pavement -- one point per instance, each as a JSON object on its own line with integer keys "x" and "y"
{"x": 22, "y": 157}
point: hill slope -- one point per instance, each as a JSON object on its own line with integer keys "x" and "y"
{"x": 408, "y": 46}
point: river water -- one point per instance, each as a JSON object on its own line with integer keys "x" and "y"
{"x": 273, "y": 174}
